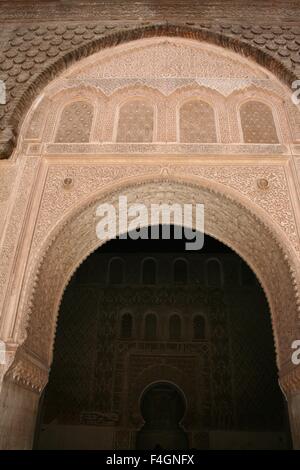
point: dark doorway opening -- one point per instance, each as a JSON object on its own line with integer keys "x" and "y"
{"x": 162, "y": 407}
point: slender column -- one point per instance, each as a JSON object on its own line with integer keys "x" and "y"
{"x": 19, "y": 399}
{"x": 294, "y": 414}
{"x": 291, "y": 385}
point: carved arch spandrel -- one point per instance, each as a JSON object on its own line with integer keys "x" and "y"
{"x": 252, "y": 235}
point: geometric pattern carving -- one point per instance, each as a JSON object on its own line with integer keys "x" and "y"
{"x": 135, "y": 122}
{"x": 258, "y": 123}
{"x": 75, "y": 123}
{"x": 197, "y": 122}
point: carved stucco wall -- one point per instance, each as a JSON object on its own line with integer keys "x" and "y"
{"x": 162, "y": 75}
{"x": 34, "y": 50}
{"x": 250, "y": 190}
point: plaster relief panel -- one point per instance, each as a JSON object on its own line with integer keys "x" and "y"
{"x": 159, "y": 74}
{"x": 257, "y": 123}
{"x": 167, "y": 58}
{"x": 75, "y": 122}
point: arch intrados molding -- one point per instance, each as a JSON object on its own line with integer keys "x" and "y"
{"x": 35, "y": 85}
{"x": 133, "y": 184}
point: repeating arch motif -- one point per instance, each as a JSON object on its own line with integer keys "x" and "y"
{"x": 12, "y": 119}
{"x": 189, "y": 116}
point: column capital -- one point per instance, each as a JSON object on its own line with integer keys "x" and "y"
{"x": 28, "y": 371}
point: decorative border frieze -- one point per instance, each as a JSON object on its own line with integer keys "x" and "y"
{"x": 172, "y": 148}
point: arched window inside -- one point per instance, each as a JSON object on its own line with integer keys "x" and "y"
{"x": 175, "y": 328}
{"x": 149, "y": 271}
{"x": 248, "y": 277}
{"x": 180, "y": 271}
{"x": 75, "y": 123}
{"x": 136, "y": 121}
{"x": 199, "y": 327}
{"x": 126, "y": 326}
{"x": 213, "y": 273}
{"x": 116, "y": 271}
{"x": 197, "y": 122}
{"x": 258, "y": 123}
{"x": 150, "y": 327}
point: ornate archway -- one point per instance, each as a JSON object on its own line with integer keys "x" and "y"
{"x": 61, "y": 181}
{"x": 252, "y": 236}
{"x": 229, "y": 218}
